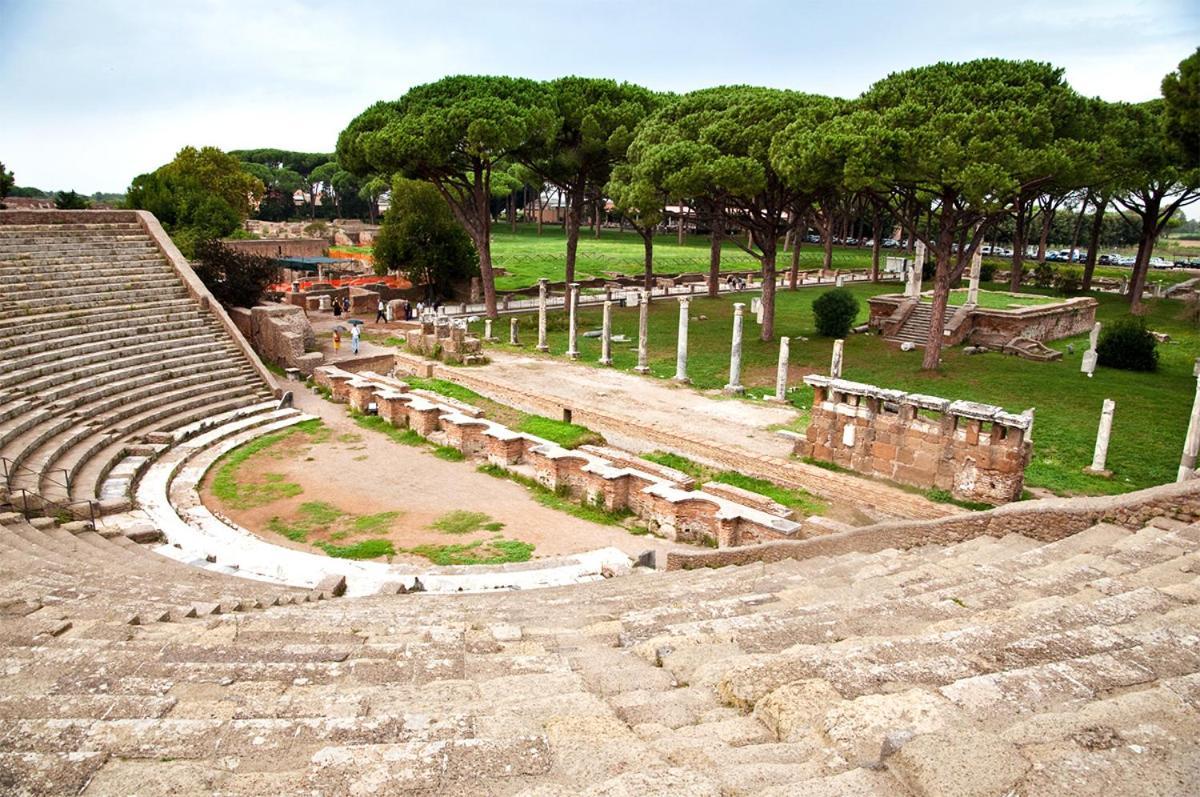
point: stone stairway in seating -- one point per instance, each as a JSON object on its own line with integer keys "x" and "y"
{"x": 994, "y": 666}
{"x": 106, "y": 355}
{"x": 915, "y": 328}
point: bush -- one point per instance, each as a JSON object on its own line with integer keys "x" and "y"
{"x": 835, "y": 312}
{"x": 987, "y": 272}
{"x": 1043, "y": 275}
{"x": 1068, "y": 280}
{"x": 1126, "y": 344}
{"x": 235, "y": 278}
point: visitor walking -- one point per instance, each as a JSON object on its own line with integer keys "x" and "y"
{"x": 337, "y": 341}
{"x": 346, "y": 305}
{"x": 354, "y": 333}
{"x": 380, "y": 314}
{"x": 337, "y": 308}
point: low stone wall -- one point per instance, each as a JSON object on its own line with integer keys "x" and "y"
{"x": 278, "y": 247}
{"x": 693, "y": 516}
{"x": 976, "y": 451}
{"x": 440, "y": 339}
{"x": 281, "y": 334}
{"x": 1045, "y": 520}
{"x": 989, "y": 327}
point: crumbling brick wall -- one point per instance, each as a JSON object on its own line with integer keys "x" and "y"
{"x": 280, "y": 334}
{"x": 976, "y": 452}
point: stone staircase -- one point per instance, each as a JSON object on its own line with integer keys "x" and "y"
{"x": 994, "y": 666}
{"x": 106, "y": 356}
{"x": 915, "y": 328}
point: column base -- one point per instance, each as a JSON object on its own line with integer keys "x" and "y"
{"x": 574, "y": 355}
{"x": 773, "y": 397}
{"x": 683, "y": 380}
{"x": 734, "y": 390}
{"x": 542, "y": 347}
{"x": 641, "y": 369}
{"x": 1106, "y": 474}
{"x": 604, "y": 361}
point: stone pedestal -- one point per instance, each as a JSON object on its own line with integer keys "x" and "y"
{"x": 1102, "y": 434}
{"x": 572, "y": 328}
{"x": 606, "y": 336}
{"x": 835, "y": 363}
{"x": 325, "y": 303}
{"x": 681, "y": 342}
{"x": 643, "y": 329}
{"x": 913, "y": 289}
{"x": 512, "y": 332}
{"x": 781, "y": 371}
{"x": 487, "y": 330}
{"x": 735, "y": 351}
{"x": 973, "y": 285}
{"x": 543, "y": 286}
{"x": 1191, "y": 444}
{"x": 840, "y": 281}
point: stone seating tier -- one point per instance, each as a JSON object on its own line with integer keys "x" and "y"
{"x": 994, "y": 666}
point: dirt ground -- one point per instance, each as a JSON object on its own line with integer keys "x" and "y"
{"x": 362, "y": 472}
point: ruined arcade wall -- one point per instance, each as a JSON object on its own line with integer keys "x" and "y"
{"x": 977, "y": 452}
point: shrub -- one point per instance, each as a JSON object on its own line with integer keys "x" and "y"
{"x": 1043, "y": 275}
{"x": 1128, "y": 345}
{"x": 987, "y": 272}
{"x": 835, "y": 312}
{"x": 1068, "y": 280}
{"x": 235, "y": 278}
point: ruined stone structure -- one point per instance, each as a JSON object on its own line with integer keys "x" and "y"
{"x": 281, "y": 334}
{"x": 975, "y": 451}
{"x": 717, "y": 515}
{"x": 441, "y": 339}
{"x": 901, "y": 317}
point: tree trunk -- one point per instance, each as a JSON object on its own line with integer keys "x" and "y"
{"x": 1044, "y": 239}
{"x": 679, "y": 232}
{"x": 572, "y": 222}
{"x": 876, "y": 231}
{"x": 1137, "y": 281}
{"x": 647, "y": 234}
{"x": 1078, "y": 226}
{"x": 827, "y": 240}
{"x": 794, "y": 271}
{"x": 512, "y": 211}
{"x": 1089, "y": 266}
{"x": 941, "y": 286}
{"x": 767, "y": 245}
{"x": 1018, "y": 259}
{"x": 714, "y": 254}
{"x": 596, "y": 219}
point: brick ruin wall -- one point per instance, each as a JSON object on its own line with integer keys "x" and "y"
{"x": 281, "y": 334}
{"x": 974, "y": 451}
{"x": 279, "y": 247}
{"x": 669, "y": 510}
{"x": 441, "y": 339}
{"x": 1045, "y": 520}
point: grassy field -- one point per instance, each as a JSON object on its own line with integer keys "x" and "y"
{"x": 1151, "y": 415}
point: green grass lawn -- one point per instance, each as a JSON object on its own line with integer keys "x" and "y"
{"x": 1001, "y": 300}
{"x": 1148, "y": 429}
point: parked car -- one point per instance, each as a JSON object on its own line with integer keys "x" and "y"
{"x": 812, "y": 239}
{"x": 851, "y": 242}
{"x": 1191, "y": 262}
{"x": 890, "y": 243}
{"x": 1161, "y": 262}
{"x": 1126, "y": 260}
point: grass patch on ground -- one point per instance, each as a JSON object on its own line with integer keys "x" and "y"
{"x": 365, "y": 549}
{"x": 460, "y": 521}
{"x": 232, "y": 489}
{"x": 480, "y": 552}
{"x": 443, "y": 387}
{"x": 449, "y": 453}
{"x": 374, "y": 524}
{"x": 999, "y": 300}
{"x": 567, "y": 435}
{"x": 944, "y": 497}
{"x": 406, "y": 437}
{"x": 273, "y": 368}
{"x": 314, "y": 518}
{"x": 799, "y": 500}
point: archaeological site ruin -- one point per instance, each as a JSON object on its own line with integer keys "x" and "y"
{"x": 702, "y": 631}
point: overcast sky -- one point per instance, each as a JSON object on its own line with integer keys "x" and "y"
{"x": 95, "y": 92}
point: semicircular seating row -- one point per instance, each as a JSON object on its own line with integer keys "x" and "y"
{"x": 106, "y": 360}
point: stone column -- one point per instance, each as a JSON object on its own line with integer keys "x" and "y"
{"x": 512, "y": 332}
{"x": 542, "y": 287}
{"x": 781, "y": 372}
{"x": 1191, "y": 444}
{"x": 973, "y": 286}
{"x": 1088, "y": 366}
{"x": 1102, "y": 434}
{"x": 840, "y": 280}
{"x": 606, "y": 336}
{"x": 643, "y": 329}
{"x": 487, "y": 329}
{"x": 835, "y": 364}
{"x": 572, "y": 312}
{"x": 681, "y": 342}
{"x": 735, "y": 351}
